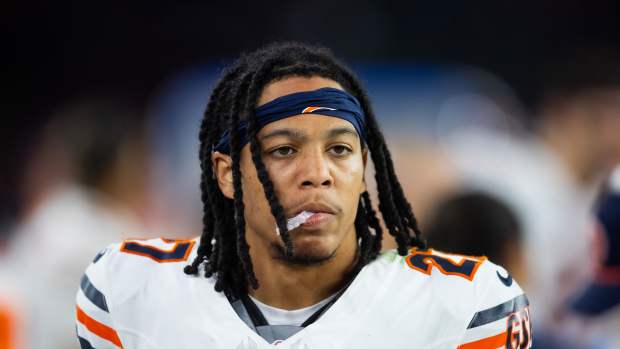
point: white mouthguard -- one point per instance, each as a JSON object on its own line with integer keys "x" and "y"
{"x": 296, "y": 221}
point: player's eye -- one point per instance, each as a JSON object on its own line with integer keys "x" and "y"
{"x": 282, "y": 151}
{"x": 340, "y": 150}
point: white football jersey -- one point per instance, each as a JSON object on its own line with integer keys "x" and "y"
{"x": 135, "y": 295}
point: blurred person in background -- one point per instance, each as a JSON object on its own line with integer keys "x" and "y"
{"x": 477, "y": 224}
{"x": 598, "y": 304}
{"x": 84, "y": 188}
{"x": 551, "y": 178}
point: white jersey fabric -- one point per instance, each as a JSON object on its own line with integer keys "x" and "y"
{"x": 136, "y": 295}
{"x": 296, "y": 317}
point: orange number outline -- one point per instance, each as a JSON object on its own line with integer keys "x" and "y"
{"x": 127, "y": 246}
{"x": 430, "y": 261}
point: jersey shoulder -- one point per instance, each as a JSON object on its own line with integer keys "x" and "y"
{"x": 122, "y": 267}
{"x": 115, "y": 278}
{"x": 452, "y": 273}
{"x": 480, "y": 298}
{"x": 139, "y": 256}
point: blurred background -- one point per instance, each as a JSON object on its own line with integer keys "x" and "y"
{"x": 503, "y": 119}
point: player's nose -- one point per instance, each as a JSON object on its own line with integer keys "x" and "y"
{"x": 314, "y": 170}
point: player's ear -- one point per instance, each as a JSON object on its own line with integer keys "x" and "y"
{"x": 222, "y": 168}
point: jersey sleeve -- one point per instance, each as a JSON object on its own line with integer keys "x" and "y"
{"x": 94, "y": 322}
{"x": 501, "y": 317}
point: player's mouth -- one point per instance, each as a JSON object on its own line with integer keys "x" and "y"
{"x": 320, "y": 215}
{"x": 317, "y": 220}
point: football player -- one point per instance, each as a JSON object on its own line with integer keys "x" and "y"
{"x": 290, "y": 253}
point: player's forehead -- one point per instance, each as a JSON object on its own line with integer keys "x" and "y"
{"x": 293, "y": 84}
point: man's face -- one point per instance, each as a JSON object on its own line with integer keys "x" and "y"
{"x": 316, "y": 164}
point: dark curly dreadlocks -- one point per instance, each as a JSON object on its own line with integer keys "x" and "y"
{"x": 223, "y": 247}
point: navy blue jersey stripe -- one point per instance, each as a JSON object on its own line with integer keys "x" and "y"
{"x": 500, "y": 311}
{"x": 176, "y": 254}
{"x": 84, "y": 344}
{"x": 93, "y": 294}
{"x": 99, "y": 255}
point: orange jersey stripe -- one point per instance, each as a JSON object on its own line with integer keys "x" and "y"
{"x": 497, "y": 341}
{"x": 98, "y": 328}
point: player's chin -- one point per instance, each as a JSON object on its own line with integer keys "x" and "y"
{"x": 308, "y": 251}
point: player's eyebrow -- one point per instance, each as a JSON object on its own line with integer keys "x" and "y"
{"x": 335, "y": 132}
{"x": 295, "y": 134}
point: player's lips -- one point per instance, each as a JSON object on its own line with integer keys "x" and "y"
{"x": 321, "y": 215}
{"x": 314, "y": 208}
{"x": 318, "y": 220}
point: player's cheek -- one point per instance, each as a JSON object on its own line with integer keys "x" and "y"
{"x": 254, "y": 201}
{"x": 351, "y": 184}
{"x": 351, "y": 173}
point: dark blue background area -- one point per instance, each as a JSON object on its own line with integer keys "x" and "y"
{"x": 56, "y": 51}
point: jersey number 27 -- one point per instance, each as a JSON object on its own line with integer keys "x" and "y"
{"x": 424, "y": 261}
{"x": 174, "y": 250}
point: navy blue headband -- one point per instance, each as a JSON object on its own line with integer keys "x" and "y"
{"x": 325, "y": 101}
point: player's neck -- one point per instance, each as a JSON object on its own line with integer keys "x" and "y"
{"x": 287, "y": 286}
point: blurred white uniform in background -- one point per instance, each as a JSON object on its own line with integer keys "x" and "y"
{"x": 82, "y": 189}
{"x": 48, "y": 255}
